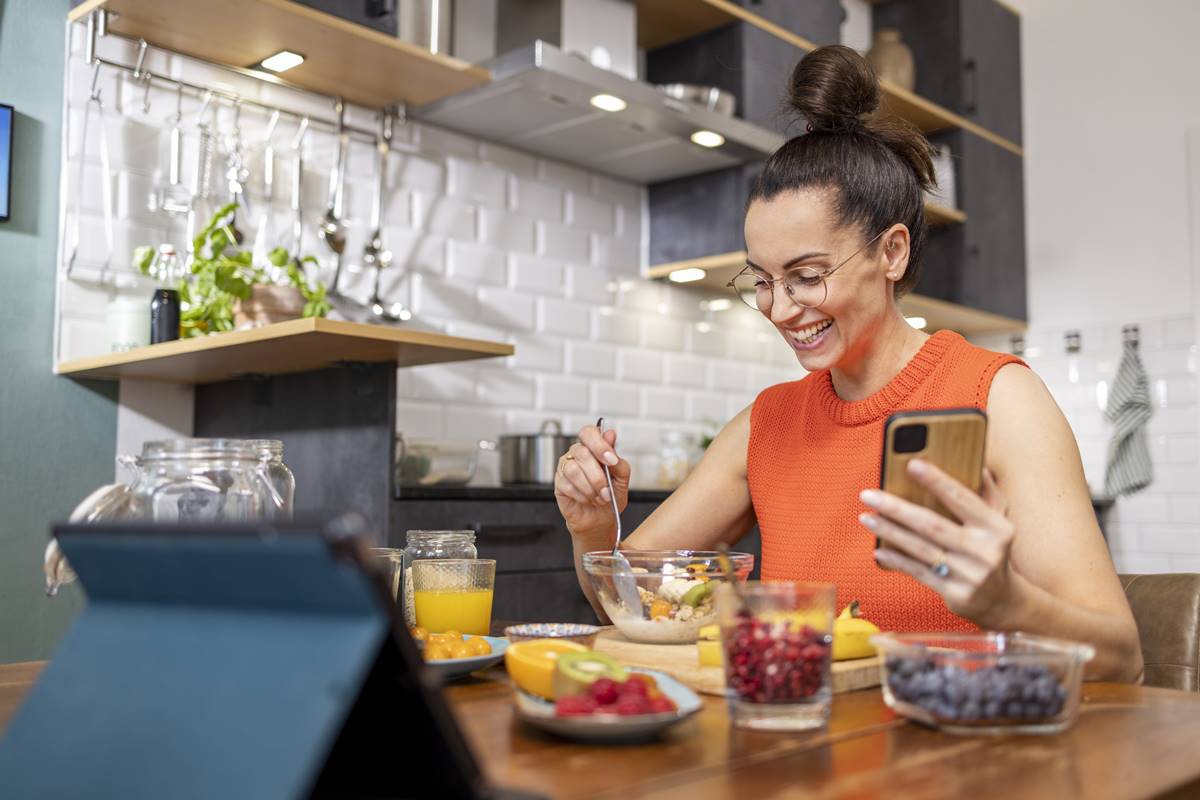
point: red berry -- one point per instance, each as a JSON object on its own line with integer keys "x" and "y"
{"x": 575, "y": 706}
{"x": 661, "y": 705}
{"x": 605, "y": 691}
{"x": 633, "y": 687}
{"x": 632, "y": 704}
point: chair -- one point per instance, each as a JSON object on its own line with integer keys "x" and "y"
{"x": 1167, "y": 611}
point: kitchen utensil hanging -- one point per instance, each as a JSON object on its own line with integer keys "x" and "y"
{"x": 375, "y": 254}
{"x": 297, "y": 190}
{"x": 236, "y": 173}
{"x": 174, "y": 199}
{"x": 202, "y": 179}
{"x": 96, "y": 106}
{"x": 260, "y": 252}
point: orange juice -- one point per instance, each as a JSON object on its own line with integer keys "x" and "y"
{"x": 467, "y": 611}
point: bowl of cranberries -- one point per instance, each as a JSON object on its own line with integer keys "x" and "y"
{"x": 639, "y": 707}
{"x": 993, "y": 683}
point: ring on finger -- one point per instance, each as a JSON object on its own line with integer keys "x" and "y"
{"x": 940, "y": 567}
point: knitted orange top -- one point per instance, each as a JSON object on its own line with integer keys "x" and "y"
{"x": 810, "y": 455}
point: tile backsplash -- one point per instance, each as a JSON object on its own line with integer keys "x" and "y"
{"x": 488, "y": 242}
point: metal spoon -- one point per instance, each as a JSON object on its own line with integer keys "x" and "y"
{"x": 331, "y": 229}
{"x": 262, "y": 236}
{"x": 236, "y": 173}
{"x": 623, "y": 578}
{"x": 374, "y": 254}
{"x": 730, "y": 575}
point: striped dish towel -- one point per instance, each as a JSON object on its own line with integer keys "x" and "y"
{"x": 1129, "y": 469}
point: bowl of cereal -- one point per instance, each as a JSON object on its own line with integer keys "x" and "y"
{"x": 675, "y": 589}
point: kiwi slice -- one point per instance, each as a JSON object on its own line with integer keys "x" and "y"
{"x": 575, "y": 672}
{"x": 695, "y": 595}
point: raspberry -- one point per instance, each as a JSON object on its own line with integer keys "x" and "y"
{"x": 575, "y": 706}
{"x": 633, "y": 687}
{"x": 604, "y": 691}
{"x": 661, "y": 705}
{"x": 632, "y": 704}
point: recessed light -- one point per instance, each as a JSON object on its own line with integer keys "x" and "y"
{"x": 687, "y": 275}
{"x": 282, "y": 61}
{"x": 608, "y": 102}
{"x": 917, "y": 322}
{"x": 708, "y": 138}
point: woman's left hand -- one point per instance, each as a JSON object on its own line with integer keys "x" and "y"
{"x": 965, "y": 561}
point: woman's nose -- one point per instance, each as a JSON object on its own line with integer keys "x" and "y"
{"x": 783, "y": 308}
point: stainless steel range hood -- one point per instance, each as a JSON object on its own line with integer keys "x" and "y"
{"x": 539, "y": 101}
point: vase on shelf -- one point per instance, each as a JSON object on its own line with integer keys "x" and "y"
{"x": 892, "y": 59}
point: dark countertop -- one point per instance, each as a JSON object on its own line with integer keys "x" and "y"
{"x": 508, "y": 493}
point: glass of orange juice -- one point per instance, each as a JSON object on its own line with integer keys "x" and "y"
{"x": 454, "y": 594}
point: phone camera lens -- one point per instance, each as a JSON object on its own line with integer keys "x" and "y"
{"x": 911, "y": 438}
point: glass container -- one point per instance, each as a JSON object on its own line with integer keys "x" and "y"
{"x": 432, "y": 544}
{"x": 280, "y": 477}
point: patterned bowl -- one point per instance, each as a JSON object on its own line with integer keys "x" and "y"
{"x": 571, "y": 631}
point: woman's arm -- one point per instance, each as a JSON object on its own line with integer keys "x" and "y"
{"x": 712, "y": 505}
{"x": 1038, "y": 564}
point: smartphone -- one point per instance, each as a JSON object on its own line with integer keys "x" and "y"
{"x": 951, "y": 439}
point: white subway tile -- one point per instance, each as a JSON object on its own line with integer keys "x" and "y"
{"x": 590, "y": 285}
{"x": 729, "y": 376}
{"x": 529, "y": 273}
{"x": 1141, "y": 508}
{"x": 591, "y": 213}
{"x": 563, "y": 394}
{"x": 591, "y": 360}
{"x": 416, "y": 173}
{"x": 641, "y": 366}
{"x": 508, "y": 160}
{"x": 507, "y": 309}
{"x": 434, "y": 297}
{"x": 558, "y": 174}
{"x": 536, "y": 200}
{"x": 621, "y": 255}
{"x": 668, "y": 404}
{"x": 637, "y": 436}
{"x": 629, "y": 223}
{"x": 1183, "y": 448}
{"x": 445, "y": 216}
{"x": 420, "y": 420}
{"x": 1179, "y": 331}
{"x": 736, "y": 404}
{"x": 703, "y": 406}
{"x": 473, "y": 330}
{"x": 638, "y": 295}
{"x": 1177, "y": 361}
{"x": 1185, "y": 564}
{"x": 1174, "y": 392}
{"x": 449, "y": 382}
{"x": 615, "y": 400}
{"x": 527, "y": 422}
{"x": 687, "y": 371}
{"x": 1176, "y": 478}
{"x": 536, "y": 352}
{"x": 413, "y": 250}
{"x": 1141, "y": 563}
{"x": 476, "y": 183}
{"x": 512, "y": 232}
{"x": 745, "y": 347}
{"x": 620, "y": 192}
{"x": 1185, "y": 508}
{"x": 616, "y": 327}
{"x": 705, "y": 340}
{"x": 474, "y": 423}
{"x": 662, "y": 333}
{"x": 82, "y": 338}
{"x": 505, "y": 387}
{"x": 564, "y": 318}
{"x": 1170, "y": 539}
{"x": 475, "y": 265}
{"x": 563, "y": 243}
{"x": 439, "y": 142}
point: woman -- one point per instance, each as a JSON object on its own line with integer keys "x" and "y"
{"x": 834, "y": 231}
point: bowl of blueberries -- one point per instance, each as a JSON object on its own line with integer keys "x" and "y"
{"x": 983, "y": 683}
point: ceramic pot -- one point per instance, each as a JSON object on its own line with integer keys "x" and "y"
{"x": 892, "y": 59}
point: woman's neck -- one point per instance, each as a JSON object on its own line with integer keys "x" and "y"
{"x": 881, "y": 355}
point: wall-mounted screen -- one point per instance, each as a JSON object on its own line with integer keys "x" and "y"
{"x": 6, "y": 130}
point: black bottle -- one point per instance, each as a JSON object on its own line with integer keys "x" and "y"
{"x": 164, "y": 305}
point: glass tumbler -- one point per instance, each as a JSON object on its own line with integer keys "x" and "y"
{"x": 454, "y": 594}
{"x": 391, "y": 563}
{"x": 777, "y": 653}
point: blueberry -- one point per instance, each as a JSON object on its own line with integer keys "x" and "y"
{"x": 992, "y": 709}
{"x": 1014, "y": 709}
{"x": 971, "y": 711}
{"x": 1046, "y": 689}
{"x": 954, "y": 692}
{"x": 1029, "y": 692}
{"x": 1035, "y": 671}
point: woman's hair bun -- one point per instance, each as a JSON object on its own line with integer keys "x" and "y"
{"x": 833, "y": 88}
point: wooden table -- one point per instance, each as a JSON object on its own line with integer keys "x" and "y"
{"x": 1129, "y": 742}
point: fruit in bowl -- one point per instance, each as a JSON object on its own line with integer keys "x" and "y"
{"x": 675, "y": 591}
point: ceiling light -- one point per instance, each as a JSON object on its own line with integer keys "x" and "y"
{"x": 282, "y": 61}
{"x": 608, "y": 102}
{"x": 687, "y": 275}
{"x": 704, "y": 327}
{"x": 720, "y": 304}
{"x": 917, "y": 322}
{"x": 708, "y": 138}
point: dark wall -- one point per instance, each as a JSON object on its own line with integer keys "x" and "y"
{"x": 57, "y": 436}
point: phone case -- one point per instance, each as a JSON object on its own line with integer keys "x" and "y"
{"x": 954, "y": 443}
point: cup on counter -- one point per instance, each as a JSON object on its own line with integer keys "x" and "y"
{"x": 777, "y": 653}
{"x": 391, "y": 563}
{"x": 454, "y": 594}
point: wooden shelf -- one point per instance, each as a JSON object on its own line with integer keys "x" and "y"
{"x": 298, "y": 345}
{"x": 937, "y": 215}
{"x": 939, "y": 314}
{"x": 341, "y": 58}
{"x": 662, "y": 22}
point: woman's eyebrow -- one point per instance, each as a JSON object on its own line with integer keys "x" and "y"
{"x": 793, "y": 261}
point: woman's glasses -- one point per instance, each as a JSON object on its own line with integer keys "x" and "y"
{"x": 804, "y": 286}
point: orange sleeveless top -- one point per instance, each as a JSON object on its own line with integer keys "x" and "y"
{"x": 810, "y": 455}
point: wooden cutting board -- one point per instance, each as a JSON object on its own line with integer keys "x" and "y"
{"x": 682, "y": 662}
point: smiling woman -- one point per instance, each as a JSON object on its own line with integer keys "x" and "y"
{"x": 834, "y": 232}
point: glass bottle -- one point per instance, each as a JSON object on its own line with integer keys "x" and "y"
{"x": 432, "y": 544}
{"x": 164, "y": 304}
{"x": 281, "y": 478}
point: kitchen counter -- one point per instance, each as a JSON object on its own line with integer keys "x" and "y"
{"x": 1130, "y": 741}
{"x": 509, "y": 493}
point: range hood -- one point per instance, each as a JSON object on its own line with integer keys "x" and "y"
{"x": 539, "y": 101}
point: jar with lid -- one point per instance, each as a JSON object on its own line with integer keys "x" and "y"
{"x": 432, "y": 544}
{"x": 281, "y": 478}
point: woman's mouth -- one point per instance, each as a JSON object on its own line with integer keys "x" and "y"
{"x": 810, "y": 337}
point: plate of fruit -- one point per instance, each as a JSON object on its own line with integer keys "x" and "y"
{"x": 453, "y": 655}
{"x": 567, "y": 690}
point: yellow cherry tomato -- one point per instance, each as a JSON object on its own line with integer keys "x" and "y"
{"x": 419, "y": 633}
{"x": 479, "y": 646}
{"x": 436, "y": 652}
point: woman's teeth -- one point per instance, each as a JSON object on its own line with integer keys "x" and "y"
{"x": 809, "y": 335}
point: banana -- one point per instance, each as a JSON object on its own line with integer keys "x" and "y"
{"x": 852, "y": 634}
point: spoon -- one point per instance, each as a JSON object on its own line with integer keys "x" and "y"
{"x": 623, "y": 578}
{"x": 262, "y": 236}
{"x": 331, "y": 229}
{"x": 297, "y": 184}
{"x": 374, "y": 254}
{"x": 730, "y": 575}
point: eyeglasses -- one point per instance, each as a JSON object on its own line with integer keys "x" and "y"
{"x": 804, "y": 286}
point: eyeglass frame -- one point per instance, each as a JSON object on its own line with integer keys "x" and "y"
{"x": 749, "y": 270}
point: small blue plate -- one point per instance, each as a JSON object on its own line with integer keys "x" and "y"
{"x": 609, "y": 728}
{"x": 450, "y": 668}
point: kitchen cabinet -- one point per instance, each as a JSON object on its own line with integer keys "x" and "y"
{"x": 967, "y": 54}
{"x": 981, "y": 263}
{"x": 379, "y": 15}
{"x": 523, "y": 531}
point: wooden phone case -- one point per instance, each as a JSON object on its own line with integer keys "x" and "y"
{"x": 955, "y": 444}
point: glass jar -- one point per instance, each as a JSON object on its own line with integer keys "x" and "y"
{"x": 432, "y": 544}
{"x": 676, "y": 458}
{"x": 282, "y": 480}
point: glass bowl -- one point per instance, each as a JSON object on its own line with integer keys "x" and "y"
{"x": 994, "y": 683}
{"x": 675, "y": 587}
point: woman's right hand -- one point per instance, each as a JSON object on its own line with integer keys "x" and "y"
{"x": 580, "y": 487}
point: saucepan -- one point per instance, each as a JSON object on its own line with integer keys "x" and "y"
{"x": 533, "y": 458}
